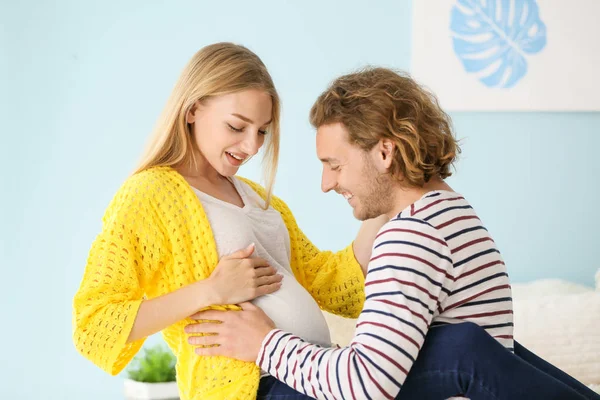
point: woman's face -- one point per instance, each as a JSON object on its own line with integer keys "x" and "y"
{"x": 231, "y": 128}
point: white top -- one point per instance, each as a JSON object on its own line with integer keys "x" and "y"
{"x": 291, "y": 307}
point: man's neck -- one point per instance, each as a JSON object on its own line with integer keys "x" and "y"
{"x": 405, "y": 196}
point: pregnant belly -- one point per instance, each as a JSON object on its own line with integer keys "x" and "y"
{"x": 293, "y": 310}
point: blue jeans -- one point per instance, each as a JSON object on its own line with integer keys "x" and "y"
{"x": 463, "y": 359}
{"x": 270, "y": 388}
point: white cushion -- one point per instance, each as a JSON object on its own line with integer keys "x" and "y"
{"x": 545, "y": 287}
{"x": 560, "y": 322}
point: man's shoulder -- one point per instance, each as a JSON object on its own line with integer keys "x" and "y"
{"x": 404, "y": 221}
{"x": 410, "y": 228}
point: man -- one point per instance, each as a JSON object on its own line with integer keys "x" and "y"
{"x": 386, "y": 146}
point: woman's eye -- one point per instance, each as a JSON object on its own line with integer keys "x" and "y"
{"x": 233, "y": 128}
{"x": 263, "y": 132}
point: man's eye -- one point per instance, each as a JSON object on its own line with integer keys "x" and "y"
{"x": 336, "y": 168}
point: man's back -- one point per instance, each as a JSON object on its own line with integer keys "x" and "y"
{"x": 476, "y": 288}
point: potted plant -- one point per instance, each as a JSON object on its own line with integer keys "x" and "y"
{"x": 151, "y": 376}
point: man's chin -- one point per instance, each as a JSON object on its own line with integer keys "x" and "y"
{"x": 359, "y": 215}
{"x": 363, "y": 215}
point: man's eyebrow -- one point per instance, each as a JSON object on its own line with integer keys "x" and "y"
{"x": 248, "y": 120}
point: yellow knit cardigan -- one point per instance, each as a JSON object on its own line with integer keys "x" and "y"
{"x": 155, "y": 239}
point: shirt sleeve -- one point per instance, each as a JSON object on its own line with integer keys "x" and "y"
{"x": 408, "y": 276}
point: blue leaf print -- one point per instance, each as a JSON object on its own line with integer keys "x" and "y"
{"x": 492, "y": 37}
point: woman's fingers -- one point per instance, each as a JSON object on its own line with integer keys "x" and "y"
{"x": 268, "y": 280}
{"x": 264, "y": 271}
{"x": 268, "y": 289}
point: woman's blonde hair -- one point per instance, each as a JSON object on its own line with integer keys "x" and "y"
{"x": 215, "y": 70}
{"x": 380, "y": 103}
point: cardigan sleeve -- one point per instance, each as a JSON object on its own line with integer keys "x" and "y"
{"x": 121, "y": 262}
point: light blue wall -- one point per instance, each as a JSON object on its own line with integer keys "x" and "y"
{"x": 87, "y": 80}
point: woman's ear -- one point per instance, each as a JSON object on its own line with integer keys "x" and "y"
{"x": 190, "y": 116}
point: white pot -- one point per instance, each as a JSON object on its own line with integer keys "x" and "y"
{"x": 150, "y": 391}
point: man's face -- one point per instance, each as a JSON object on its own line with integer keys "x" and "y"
{"x": 355, "y": 174}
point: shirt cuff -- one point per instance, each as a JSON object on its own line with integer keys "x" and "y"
{"x": 269, "y": 339}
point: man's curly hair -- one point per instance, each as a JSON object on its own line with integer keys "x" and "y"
{"x": 380, "y": 103}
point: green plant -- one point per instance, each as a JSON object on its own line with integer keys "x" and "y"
{"x": 157, "y": 364}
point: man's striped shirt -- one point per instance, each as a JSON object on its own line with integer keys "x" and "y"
{"x": 433, "y": 264}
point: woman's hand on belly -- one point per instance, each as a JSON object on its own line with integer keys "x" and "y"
{"x": 238, "y": 278}
{"x": 235, "y": 334}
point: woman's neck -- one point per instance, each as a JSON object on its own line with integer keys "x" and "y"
{"x": 201, "y": 170}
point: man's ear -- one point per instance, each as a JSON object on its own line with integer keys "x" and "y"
{"x": 190, "y": 116}
{"x": 385, "y": 152}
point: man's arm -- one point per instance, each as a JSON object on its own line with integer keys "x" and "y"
{"x": 408, "y": 273}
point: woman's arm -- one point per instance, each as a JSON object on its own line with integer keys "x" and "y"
{"x": 363, "y": 243}
{"x": 236, "y": 279}
{"x": 111, "y": 316}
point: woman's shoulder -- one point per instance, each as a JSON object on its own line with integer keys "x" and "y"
{"x": 147, "y": 188}
{"x": 152, "y": 181}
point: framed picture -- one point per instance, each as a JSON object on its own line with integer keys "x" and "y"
{"x": 508, "y": 55}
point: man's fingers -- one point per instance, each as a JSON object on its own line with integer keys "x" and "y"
{"x": 206, "y": 340}
{"x": 204, "y": 327}
{"x": 211, "y": 351}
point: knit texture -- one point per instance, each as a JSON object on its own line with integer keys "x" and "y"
{"x": 156, "y": 239}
